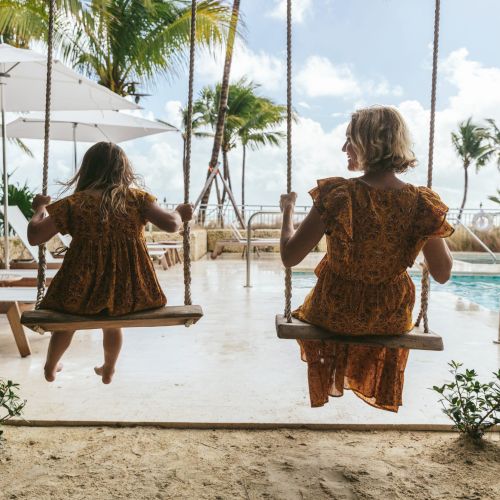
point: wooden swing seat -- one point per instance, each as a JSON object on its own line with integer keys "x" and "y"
{"x": 415, "y": 339}
{"x": 50, "y": 321}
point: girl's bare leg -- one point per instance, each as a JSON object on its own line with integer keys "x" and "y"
{"x": 112, "y": 343}
{"x": 59, "y": 342}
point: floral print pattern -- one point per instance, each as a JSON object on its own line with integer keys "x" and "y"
{"x": 107, "y": 269}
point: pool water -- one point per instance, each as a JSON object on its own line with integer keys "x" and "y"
{"x": 483, "y": 290}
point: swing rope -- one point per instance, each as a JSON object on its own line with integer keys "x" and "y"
{"x": 288, "y": 271}
{"x": 186, "y": 235}
{"x": 426, "y": 284}
{"x": 42, "y": 262}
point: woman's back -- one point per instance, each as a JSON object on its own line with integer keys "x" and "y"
{"x": 374, "y": 234}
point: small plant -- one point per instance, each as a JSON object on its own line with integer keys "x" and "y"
{"x": 11, "y": 404}
{"x": 474, "y": 407}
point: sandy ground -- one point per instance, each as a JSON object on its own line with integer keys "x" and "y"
{"x": 145, "y": 463}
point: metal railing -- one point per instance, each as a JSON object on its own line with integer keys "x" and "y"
{"x": 477, "y": 239}
{"x": 218, "y": 216}
{"x": 249, "y": 237}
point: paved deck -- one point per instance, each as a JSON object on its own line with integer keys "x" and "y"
{"x": 231, "y": 368}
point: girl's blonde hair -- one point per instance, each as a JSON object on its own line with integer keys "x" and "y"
{"x": 380, "y": 139}
{"x": 106, "y": 168}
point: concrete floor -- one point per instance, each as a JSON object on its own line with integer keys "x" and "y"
{"x": 230, "y": 367}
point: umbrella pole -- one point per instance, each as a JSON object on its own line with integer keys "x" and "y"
{"x": 5, "y": 179}
{"x": 75, "y": 152}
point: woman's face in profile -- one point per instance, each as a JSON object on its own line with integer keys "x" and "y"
{"x": 352, "y": 160}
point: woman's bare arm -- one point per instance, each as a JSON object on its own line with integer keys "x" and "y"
{"x": 170, "y": 222}
{"x": 295, "y": 245}
{"x": 41, "y": 227}
{"x": 438, "y": 259}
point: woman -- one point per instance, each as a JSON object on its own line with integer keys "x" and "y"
{"x": 375, "y": 225}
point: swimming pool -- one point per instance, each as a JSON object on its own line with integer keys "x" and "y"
{"x": 483, "y": 290}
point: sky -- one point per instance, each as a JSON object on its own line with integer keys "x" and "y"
{"x": 347, "y": 54}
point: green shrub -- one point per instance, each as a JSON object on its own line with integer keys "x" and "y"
{"x": 11, "y": 405}
{"x": 22, "y": 196}
{"x": 471, "y": 405}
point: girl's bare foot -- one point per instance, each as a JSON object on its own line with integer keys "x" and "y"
{"x": 51, "y": 371}
{"x": 105, "y": 372}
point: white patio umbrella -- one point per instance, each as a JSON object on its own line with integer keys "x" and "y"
{"x": 23, "y": 75}
{"x": 86, "y": 126}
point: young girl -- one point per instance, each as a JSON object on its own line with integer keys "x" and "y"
{"x": 107, "y": 268}
{"x": 375, "y": 225}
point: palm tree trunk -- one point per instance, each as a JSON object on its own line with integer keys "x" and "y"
{"x": 466, "y": 186}
{"x": 225, "y": 172}
{"x": 243, "y": 166}
{"x": 219, "y": 129}
{"x": 183, "y": 154}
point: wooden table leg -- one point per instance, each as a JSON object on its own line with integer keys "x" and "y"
{"x": 14, "y": 317}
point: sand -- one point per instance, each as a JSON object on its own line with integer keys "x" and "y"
{"x": 146, "y": 463}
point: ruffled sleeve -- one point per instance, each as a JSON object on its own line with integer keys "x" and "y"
{"x": 60, "y": 212}
{"x": 332, "y": 199}
{"x": 144, "y": 199}
{"x": 430, "y": 216}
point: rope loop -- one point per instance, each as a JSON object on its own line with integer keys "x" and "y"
{"x": 424, "y": 302}
{"x": 186, "y": 235}
{"x": 42, "y": 263}
{"x": 289, "y": 164}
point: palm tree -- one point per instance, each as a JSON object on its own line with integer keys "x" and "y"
{"x": 121, "y": 43}
{"x": 471, "y": 145}
{"x": 258, "y": 131}
{"x": 221, "y": 113}
{"x": 494, "y": 139}
{"x": 496, "y": 199}
{"x": 249, "y": 120}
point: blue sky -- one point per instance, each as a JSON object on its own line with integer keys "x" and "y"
{"x": 347, "y": 54}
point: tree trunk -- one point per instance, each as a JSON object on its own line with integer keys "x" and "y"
{"x": 466, "y": 186}
{"x": 221, "y": 116}
{"x": 184, "y": 154}
{"x": 243, "y": 165}
{"x": 225, "y": 173}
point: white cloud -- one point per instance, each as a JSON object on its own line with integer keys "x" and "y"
{"x": 261, "y": 67}
{"x": 320, "y": 77}
{"x": 317, "y": 149}
{"x": 173, "y": 113}
{"x": 299, "y": 9}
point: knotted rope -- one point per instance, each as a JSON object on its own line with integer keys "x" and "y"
{"x": 426, "y": 285}
{"x": 186, "y": 238}
{"x": 42, "y": 263}
{"x": 288, "y": 271}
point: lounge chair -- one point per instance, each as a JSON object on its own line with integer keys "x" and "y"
{"x": 241, "y": 241}
{"x": 13, "y": 301}
{"x": 19, "y": 224}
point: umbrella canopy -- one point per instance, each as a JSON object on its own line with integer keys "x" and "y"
{"x": 23, "y": 73}
{"x": 23, "y": 76}
{"x": 86, "y": 126}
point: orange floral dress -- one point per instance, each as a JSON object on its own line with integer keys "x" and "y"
{"x": 363, "y": 287}
{"x": 107, "y": 268}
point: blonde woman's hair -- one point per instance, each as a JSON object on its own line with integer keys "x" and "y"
{"x": 381, "y": 140}
{"x": 105, "y": 167}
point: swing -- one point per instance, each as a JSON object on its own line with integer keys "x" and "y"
{"x": 288, "y": 327}
{"x": 42, "y": 320}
